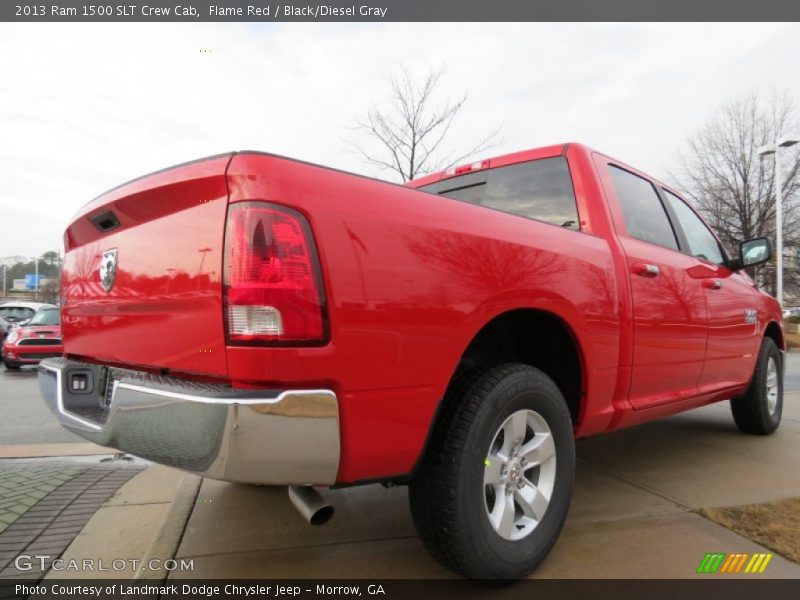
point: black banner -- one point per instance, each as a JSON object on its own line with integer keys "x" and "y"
{"x": 733, "y": 588}
{"x": 397, "y": 10}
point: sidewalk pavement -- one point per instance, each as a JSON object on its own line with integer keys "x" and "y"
{"x": 142, "y": 522}
{"x": 633, "y": 514}
{"x": 44, "y": 504}
{"x": 631, "y": 517}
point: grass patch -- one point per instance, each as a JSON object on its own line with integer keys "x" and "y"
{"x": 774, "y": 525}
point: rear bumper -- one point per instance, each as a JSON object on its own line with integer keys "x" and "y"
{"x": 280, "y": 437}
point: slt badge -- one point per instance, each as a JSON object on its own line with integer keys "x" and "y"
{"x": 108, "y": 269}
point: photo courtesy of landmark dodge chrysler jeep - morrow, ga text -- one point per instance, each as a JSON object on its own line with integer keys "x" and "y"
{"x": 263, "y": 320}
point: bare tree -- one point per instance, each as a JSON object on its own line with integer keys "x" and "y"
{"x": 721, "y": 172}
{"x": 408, "y": 136}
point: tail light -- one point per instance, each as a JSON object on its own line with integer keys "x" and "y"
{"x": 272, "y": 283}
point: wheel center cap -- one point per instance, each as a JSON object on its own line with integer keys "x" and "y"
{"x": 514, "y": 472}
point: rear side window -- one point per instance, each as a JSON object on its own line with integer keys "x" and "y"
{"x": 539, "y": 189}
{"x": 702, "y": 243}
{"x": 644, "y": 214}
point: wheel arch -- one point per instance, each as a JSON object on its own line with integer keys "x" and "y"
{"x": 499, "y": 339}
{"x": 508, "y": 336}
{"x": 775, "y": 332}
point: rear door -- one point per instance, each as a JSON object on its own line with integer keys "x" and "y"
{"x": 731, "y": 300}
{"x": 668, "y": 304}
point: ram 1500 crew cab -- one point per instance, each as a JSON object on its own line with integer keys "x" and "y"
{"x": 263, "y": 320}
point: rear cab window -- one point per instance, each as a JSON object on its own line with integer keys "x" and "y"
{"x": 538, "y": 189}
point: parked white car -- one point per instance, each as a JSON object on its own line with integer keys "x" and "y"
{"x": 18, "y": 312}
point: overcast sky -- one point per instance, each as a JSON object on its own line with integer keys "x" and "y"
{"x": 84, "y": 107}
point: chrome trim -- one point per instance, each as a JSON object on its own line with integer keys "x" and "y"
{"x": 288, "y": 437}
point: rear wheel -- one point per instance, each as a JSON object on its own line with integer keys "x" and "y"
{"x": 758, "y": 410}
{"x": 491, "y": 494}
{"x": 11, "y": 366}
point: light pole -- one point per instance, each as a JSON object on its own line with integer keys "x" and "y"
{"x": 766, "y": 151}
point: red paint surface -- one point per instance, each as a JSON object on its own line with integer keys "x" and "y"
{"x": 409, "y": 280}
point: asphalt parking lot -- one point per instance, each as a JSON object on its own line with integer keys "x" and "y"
{"x": 25, "y": 418}
{"x": 634, "y": 512}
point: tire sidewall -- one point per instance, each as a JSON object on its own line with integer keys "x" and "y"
{"x": 520, "y": 391}
{"x": 771, "y": 352}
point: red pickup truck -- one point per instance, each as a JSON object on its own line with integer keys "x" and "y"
{"x": 263, "y": 320}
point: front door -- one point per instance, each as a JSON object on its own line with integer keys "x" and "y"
{"x": 733, "y": 340}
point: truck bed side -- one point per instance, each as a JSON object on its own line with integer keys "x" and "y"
{"x": 411, "y": 278}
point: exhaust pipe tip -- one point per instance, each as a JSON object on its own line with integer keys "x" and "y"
{"x": 310, "y": 504}
{"x": 322, "y": 516}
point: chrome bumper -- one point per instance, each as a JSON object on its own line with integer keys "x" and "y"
{"x": 270, "y": 437}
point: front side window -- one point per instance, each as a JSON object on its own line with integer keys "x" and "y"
{"x": 702, "y": 243}
{"x": 644, "y": 214}
{"x": 538, "y": 189}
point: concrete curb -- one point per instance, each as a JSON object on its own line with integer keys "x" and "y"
{"x": 143, "y": 521}
{"x": 164, "y": 545}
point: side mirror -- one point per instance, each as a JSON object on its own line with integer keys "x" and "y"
{"x": 754, "y": 252}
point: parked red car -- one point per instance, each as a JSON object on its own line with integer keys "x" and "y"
{"x": 38, "y": 339}
{"x": 263, "y": 320}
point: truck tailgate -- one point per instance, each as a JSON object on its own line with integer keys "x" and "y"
{"x": 141, "y": 283}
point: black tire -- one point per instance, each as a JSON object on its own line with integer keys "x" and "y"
{"x": 11, "y": 366}
{"x": 447, "y": 494}
{"x": 751, "y": 411}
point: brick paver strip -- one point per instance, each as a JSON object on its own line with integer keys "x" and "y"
{"x": 22, "y": 487}
{"x": 44, "y": 505}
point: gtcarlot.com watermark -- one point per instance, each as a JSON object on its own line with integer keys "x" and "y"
{"x": 43, "y": 562}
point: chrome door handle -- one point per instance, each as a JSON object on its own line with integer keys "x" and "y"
{"x": 712, "y": 284}
{"x": 646, "y": 270}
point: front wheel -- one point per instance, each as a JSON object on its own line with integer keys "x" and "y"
{"x": 11, "y": 366}
{"x": 490, "y": 496}
{"x": 758, "y": 410}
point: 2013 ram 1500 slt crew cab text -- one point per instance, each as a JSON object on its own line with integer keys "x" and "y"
{"x": 262, "y": 320}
